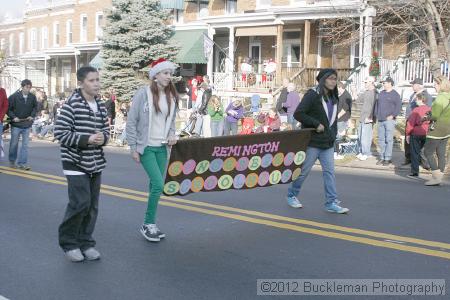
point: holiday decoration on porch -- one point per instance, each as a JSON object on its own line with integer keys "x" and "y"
{"x": 374, "y": 69}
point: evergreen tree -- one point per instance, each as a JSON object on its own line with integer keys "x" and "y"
{"x": 136, "y": 33}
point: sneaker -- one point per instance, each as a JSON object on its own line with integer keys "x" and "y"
{"x": 380, "y": 162}
{"x": 334, "y": 208}
{"x": 91, "y": 254}
{"x": 74, "y": 255}
{"x": 25, "y": 167}
{"x": 150, "y": 232}
{"x": 413, "y": 176}
{"x": 13, "y": 165}
{"x": 293, "y": 202}
{"x": 161, "y": 234}
{"x": 406, "y": 162}
{"x": 387, "y": 163}
{"x": 338, "y": 156}
{"x": 361, "y": 157}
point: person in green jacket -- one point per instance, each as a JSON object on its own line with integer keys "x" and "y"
{"x": 215, "y": 110}
{"x": 437, "y": 139}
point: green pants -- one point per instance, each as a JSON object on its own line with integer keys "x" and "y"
{"x": 154, "y": 161}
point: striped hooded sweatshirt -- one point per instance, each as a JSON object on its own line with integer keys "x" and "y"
{"x": 75, "y": 124}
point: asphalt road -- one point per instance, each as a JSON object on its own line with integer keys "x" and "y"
{"x": 219, "y": 243}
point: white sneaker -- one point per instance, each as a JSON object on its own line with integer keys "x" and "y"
{"x": 91, "y": 254}
{"x": 338, "y": 156}
{"x": 74, "y": 255}
{"x": 361, "y": 157}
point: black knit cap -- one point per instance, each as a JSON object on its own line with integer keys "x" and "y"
{"x": 325, "y": 73}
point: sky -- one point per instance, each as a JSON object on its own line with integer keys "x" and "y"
{"x": 15, "y": 8}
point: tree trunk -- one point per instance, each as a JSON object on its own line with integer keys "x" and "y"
{"x": 435, "y": 64}
{"x": 431, "y": 8}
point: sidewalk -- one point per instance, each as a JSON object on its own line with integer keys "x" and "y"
{"x": 398, "y": 157}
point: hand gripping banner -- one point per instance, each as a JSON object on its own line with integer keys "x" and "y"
{"x": 235, "y": 162}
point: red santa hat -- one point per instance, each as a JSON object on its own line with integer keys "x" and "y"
{"x": 159, "y": 65}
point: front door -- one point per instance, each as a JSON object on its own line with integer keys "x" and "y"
{"x": 255, "y": 56}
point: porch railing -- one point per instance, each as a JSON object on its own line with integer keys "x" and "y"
{"x": 240, "y": 81}
{"x": 402, "y": 71}
{"x": 9, "y": 83}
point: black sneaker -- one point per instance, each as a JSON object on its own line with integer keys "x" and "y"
{"x": 150, "y": 232}
{"x": 406, "y": 162}
{"x": 387, "y": 162}
{"x": 161, "y": 234}
{"x": 413, "y": 176}
{"x": 380, "y": 162}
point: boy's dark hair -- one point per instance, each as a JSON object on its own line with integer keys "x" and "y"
{"x": 26, "y": 82}
{"x": 341, "y": 85}
{"x": 83, "y": 71}
{"x": 420, "y": 96}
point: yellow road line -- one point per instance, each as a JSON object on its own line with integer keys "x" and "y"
{"x": 292, "y": 227}
{"x": 378, "y": 235}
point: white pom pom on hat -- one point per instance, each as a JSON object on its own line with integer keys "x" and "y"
{"x": 161, "y": 65}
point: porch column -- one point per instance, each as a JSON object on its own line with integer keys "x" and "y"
{"x": 361, "y": 39}
{"x": 279, "y": 52}
{"x": 46, "y": 76}
{"x": 210, "y": 64}
{"x": 369, "y": 13}
{"x": 319, "y": 51}
{"x": 367, "y": 55}
{"x": 306, "y": 42}
{"x": 230, "y": 60}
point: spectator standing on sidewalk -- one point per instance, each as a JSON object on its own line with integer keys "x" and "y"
{"x": 388, "y": 108}
{"x": 437, "y": 139}
{"x": 416, "y": 132}
{"x": 365, "y": 130}
{"x": 22, "y": 109}
{"x": 417, "y": 86}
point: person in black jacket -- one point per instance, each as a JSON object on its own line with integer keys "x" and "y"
{"x": 318, "y": 110}
{"x": 110, "y": 108}
{"x": 22, "y": 110}
{"x": 283, "y": 98}
{"x": 202, "y": 107}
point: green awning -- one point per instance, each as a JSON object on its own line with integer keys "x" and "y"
{"x": 97, "y": 61}
{"x": 172, "y": 4}
{"x": 191, "y": 47}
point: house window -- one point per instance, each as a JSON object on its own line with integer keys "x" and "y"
{"x": 21, "y": 42}
{"x": 231, "y": 6}
{"x": 56, "y": 34}
{"x": 291, "y": 49}
{"x": 11, "y": 44}
{"x": 202, "y": 8}
{"x": 33, "y": 39}
{"x": 255, "y": 54}
{"x": 377, "y": 42}
{"x": 263, "y": 3}
{"x": 98, "y": 26}
{"x": 83, "y": 28}
{"x": 178, "y": 16}
{"x": 44, "y": 38}
{"x": 69, "y": 32}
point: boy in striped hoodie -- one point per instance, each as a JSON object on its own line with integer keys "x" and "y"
{"x": 82, "y": 129}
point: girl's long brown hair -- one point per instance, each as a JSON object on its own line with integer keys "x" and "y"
{"x": 170, "y": 92}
